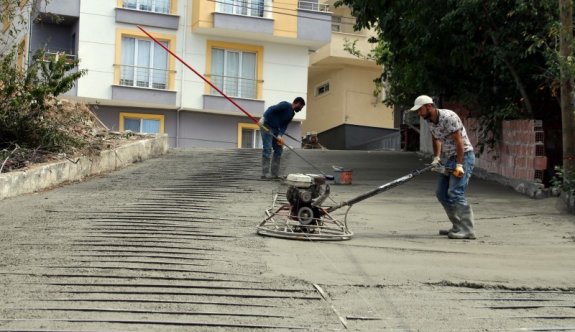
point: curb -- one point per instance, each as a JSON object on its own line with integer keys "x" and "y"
{"x": 45, "y": 176}
{"x": 569, "y": 200}
{"x": 531, "y": 189}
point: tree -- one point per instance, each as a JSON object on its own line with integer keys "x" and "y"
{"x": 567, "y": 74}
{"x": 491, "y": 55}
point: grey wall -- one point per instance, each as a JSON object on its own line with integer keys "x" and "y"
{"x": 312, "y": 25}
{"x": 110, "y": 116}
{"x": 344, "y": 137}
{"x": 63, "y": 7}
{"x": 196, "y": 129}
{"x": 243, "y": 23}
{"x": 147, "y": 18}
{"x": 218, "y": 131}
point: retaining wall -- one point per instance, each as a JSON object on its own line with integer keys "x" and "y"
{"x": 518, "y": 160}
{"x": 45, "y": 176}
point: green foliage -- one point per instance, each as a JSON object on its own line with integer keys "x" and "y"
{"x": 563, "y": 179}
{"x": 31, "y": 118}
{"x": 493, "y": 56}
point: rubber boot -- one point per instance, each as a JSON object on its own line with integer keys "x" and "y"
{"x": 265, "y": 167}
{"x": 465, "y": 214}
{"x": 275, "y": 168}
{"x": 454, "y": 220}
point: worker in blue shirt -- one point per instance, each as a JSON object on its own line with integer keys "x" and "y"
{"x": 274, "y": 123}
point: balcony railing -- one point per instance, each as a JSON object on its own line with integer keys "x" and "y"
{"x": 144, "y": 77}
{"x": 243, "y": 7}
{"x": 155, "y": 6}
{"x": 55, "y": 55}
{"x": 310, "y": 5}
{"x": 235, "y": 86}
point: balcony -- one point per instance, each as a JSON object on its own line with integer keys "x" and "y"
{"x": 144, "y": 77}
{"x": 314, "y": 23}
{"x": 56, "y": 37}
{"x": 143, "y": 84}
{"x": 156, "y": 13}
{"x": 313, "y": 6}
{"x": 235, "y": 86}
{"x": 307, "y": 23}
{"x": 242, "y": 90}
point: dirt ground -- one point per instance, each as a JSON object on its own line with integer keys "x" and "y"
{"x": 170, "y": 244}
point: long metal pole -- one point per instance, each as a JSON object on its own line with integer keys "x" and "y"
{"x": 222, "y": 93}
{"x": 380, "y": 189}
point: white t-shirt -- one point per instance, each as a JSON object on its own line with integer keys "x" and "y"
{"x": 448, "y": 122}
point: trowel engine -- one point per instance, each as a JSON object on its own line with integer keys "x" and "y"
{"x": 305, "y": 194}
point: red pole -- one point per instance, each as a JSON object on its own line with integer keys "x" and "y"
{"x": 200, "y": 75}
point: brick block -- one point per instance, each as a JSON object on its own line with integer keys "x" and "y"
{"x": 521, "y": 162}
{"x": 539, "y": 150}
{"x": 538, "y": 176}
{"x": 540, "y": 163}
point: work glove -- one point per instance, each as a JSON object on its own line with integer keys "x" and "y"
{"x": 458, "y": 172}
{"x": 280, "y": 140}
{"x": 261, "y": 122}
{"x": 436, "y": 165}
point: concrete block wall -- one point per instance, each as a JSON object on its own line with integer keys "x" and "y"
{"x": 521, "y": 153}
{"x": 44, "y": 176}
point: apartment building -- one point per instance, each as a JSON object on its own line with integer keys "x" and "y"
{"x": 342, "y": 107}
{"x": 255, "y": 51}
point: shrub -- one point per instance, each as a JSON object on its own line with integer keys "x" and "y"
{"x": 33, "y": 122}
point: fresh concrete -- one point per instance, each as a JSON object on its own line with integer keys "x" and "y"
{"x": 48, "y": 175}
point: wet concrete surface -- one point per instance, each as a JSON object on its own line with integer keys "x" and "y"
{"x": 170, "y": 245}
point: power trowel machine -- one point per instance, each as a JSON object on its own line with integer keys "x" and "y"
{"x": 301, "y": 214}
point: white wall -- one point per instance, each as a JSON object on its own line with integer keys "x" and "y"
{"x": 285, "y": 66}
{"x": 285, "y": 74}
{"x": 96, "y": 48}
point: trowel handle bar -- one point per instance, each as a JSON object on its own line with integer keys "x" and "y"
{"x": 380, "y": 189}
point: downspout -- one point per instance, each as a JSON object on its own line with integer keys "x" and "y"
{"x": 181, "y": 106}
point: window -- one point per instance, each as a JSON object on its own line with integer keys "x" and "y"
{"x": 249, "y": 136}
{"x": 156, "y": 6}
{"x": 336, "y": 23}
{"x": 144, "y": 64}
{"x": 234, "y": 72}
{"x": 243, "y": 7}
{"x": 321, "y": 89}
{"x": 142, "y": 123}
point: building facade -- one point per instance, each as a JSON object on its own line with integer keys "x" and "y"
{"x": 255, "y": 51}
{"x": 342, "y": 108}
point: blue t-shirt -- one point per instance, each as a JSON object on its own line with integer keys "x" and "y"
{"x": 277, "y": 117}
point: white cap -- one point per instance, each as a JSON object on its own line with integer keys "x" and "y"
{"x": 420, "y": 101}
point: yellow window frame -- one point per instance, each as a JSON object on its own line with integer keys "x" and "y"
{"x": 145, "y": 116}
{"x": 173, "y": 6}
{"x": 22, "y": 50}
{"x": 171, "y": 39}
{"x": 259, "y": 50}
{"x": 5, "y": 20}
{"x": 242, "y": 126}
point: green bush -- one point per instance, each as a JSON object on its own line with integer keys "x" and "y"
{"x": 563, "y": 179}
{"x": 33, "y": 123}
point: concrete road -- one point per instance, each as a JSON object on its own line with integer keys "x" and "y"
{"x": 170, "y": 245}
